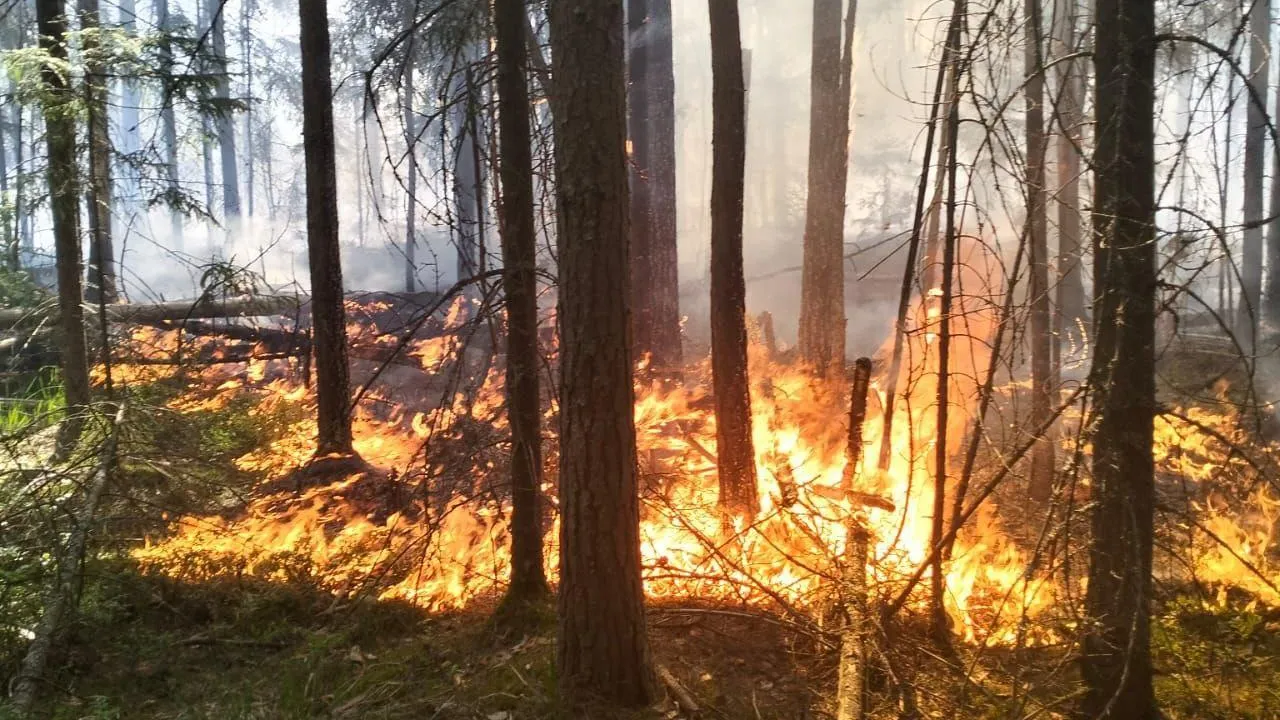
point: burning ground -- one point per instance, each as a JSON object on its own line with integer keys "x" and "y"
{"x": 318, "y": 590}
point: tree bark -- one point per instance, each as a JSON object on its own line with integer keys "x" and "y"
{"x": 603, "y": 650}
{"x": 1041, "y": 338}
{"x": 169, "y": 124}
{"x": 519, "y": 263}
{"x": 60, "y": 139}
{"x": 1116, "y": 662}
{"x": 101, "y": 280}
{"x": 1255, "y": 167}
{"x": 822, "y": 318}
{"x": 651, "y": 107}
{"x": 734, "y": 452}
{"x": 223, "y": 122}
{"x": 328, "y": 316}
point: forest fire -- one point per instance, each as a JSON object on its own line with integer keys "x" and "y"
{"x": 428, "y": 525}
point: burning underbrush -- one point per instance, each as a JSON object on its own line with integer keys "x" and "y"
{"x": 426, "y": 522}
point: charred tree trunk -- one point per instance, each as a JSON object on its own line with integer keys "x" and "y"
{"x": 651, "y": 110}
{"x": 101, "y": 280}
{"x": 1040, "y": 337}
{"x": 1116, "y": 661}
{"x": 1069, "y": 310}
{"x": 60, "y": 139}
{"x": 1255, "y": 167}
{"x": 223, "y": 122}
{"x": 169, "y": 123}
{"x": 939, "y": 624}
{"x": 519, "y": 263}
{"x": 822, "y": 319}
{"x": 734, "y": 453}
{"x": 329, "y": 334}
{"x": 603, "y": 650}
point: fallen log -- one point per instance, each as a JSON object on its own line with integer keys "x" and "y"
{"x": 175, "y": 310}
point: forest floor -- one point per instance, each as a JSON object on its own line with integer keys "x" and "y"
{"x": 147, "y": 645}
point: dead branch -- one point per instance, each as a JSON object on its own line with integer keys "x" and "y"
{"x": 678, "y": 691}
{"x": 61, "y": 599}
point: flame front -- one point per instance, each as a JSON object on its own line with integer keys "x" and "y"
{"x": 430, "y": 525}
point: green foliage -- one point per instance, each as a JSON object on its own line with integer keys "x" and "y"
{"x": 18, "y": 290}
{"x": 37, "y": 406}
{"x": 1219, "y": 660}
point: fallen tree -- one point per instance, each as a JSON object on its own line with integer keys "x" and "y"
{"x": 175, "y": 310}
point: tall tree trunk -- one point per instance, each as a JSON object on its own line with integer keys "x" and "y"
{"x": 519, "y": 263}
{"x": 1041, "y": 337}
{"x": 734, "y": 453}
{"x": 223, "y": 123}
{"x": 938, "y": 621}
{"x": 603, "y": 650}
{"x": 1116, "y": 661}
{"x": 129, "y": 200}
{"x": 411, "y": 154}
{"x": 1272, "y": 300}
{"x": 22, "y": 224}
{"x": 246, "y": 58}
{"x": 466, "y": 171}
{"x": 1255, "y": 167}
{"x": 169, "y": 123}
{"x": 8, "y": 216}
{"x": 329, "y": 335}
{"x": 822, "y": 318}
{"x": 1069, "y": 310}
{"x": 64, "y": 203}
{"x": 651, "y": 107}
{"x": 102, "y": 281}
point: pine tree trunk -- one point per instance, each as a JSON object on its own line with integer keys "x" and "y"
{"x": 1040, "y": 337}
{"x": 101, "y": 281}
{"x": 1255, "y": 167}
{"x": 8, "y": 238}
{"x": 822, "y": 318}
{"x": 21, "y": 221}
{"x": 246, "y": 53}
{"x": 223, "y": 123}
{"x": 519, "y": 262}
{"x": 466, "y": 172}
{"x": 411, "y": 153}
{"x": 734, "y": 452}
{"x": 329, "y": 336}
{"x": 603, "y": 649}
{"x": 129, "y": 199}
{"x": 1271, "y": 308}
{"x": 64, "y": 203}
{"x": 1116, "y": 660}
{"x": 169, "y": 124}
{"x": 651, "y": 109}
{"x": 1070, "y": 311}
